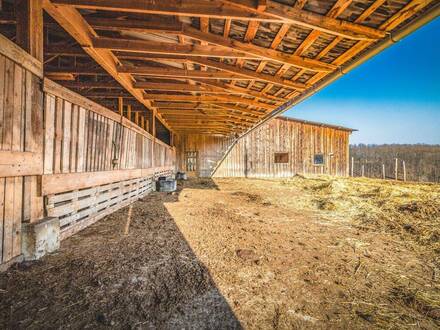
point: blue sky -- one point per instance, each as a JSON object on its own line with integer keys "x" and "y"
{"x": 392, "y": 98}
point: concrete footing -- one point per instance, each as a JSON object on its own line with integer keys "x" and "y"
{"x": 166, "y": 185}
{"x": 40, "y": 238}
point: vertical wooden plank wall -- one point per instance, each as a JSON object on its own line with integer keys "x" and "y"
{"x": 253, "y": 155}
{"x": 21, "y": 145}
{"x": 50, "y": 137}
{"x": 210, "y": 150}
{"x": 82, "y": 136}
{"x": 97, "y": 156}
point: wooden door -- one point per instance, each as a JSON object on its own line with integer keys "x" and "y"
{"x": 191, "y": 160}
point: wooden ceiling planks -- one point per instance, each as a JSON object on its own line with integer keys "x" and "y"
{"x": 182, "y": 57}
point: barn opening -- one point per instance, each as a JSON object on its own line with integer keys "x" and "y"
{"x": 98, "y": 99}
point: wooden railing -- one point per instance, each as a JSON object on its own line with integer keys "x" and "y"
{"x": 63, "y": 155}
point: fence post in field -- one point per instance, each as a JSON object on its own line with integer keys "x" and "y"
{"x": 363, "y": 170}
{"x": 352, "y": 166}
{"x": 383, "y": 171}
{"x": 404, "y": 170}
{"x": 395, "y": 169}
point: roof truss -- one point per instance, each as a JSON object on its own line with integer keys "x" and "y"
{"x": 178, "y": 60}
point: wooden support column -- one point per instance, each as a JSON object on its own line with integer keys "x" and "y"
{"x": 29, "y": 36}
{"x": 129, "y": 112}
{"x": 153, "y": 123}
{"x": 121, "y": 106}
{"x": 153, "y": 133}
{"x": 30, "y": 26}
{"x": 136, "y": 118}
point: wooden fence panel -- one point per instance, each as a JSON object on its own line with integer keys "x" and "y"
{"x": 48, "y": 131}
{"x": 21, "y": 146}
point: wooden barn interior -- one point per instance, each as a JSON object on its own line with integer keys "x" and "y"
{"x": 99, "y": 98}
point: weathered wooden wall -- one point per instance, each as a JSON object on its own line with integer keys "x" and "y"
{"x": 21, "y": 143}
{"x": 253, "y": 155}
{"x": 210, "y": 149}
{"x": 62, "y": 155}
{"x": 96, "y": 156}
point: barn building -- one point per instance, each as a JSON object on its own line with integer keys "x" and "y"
{"x": 282, "y": 147}
{"x": 100, "y": 98}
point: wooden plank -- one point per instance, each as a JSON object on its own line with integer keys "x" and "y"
{"x": 8, "y": 219}
{"x": 74, "y": 139}
{"x": 197, "y": 8}
{"x": 57, "y": 183}
{"x": 8, "y": 108}
{"x": 65, "y": 146}
{"x": 2, "y": 98}
{"x": 17, "y": 217}
{"x": 49, "y": 133}
{"x": 80, "y": 158}
{"x": 58, "y": 134}
{"x": 17, "y": 163}
{"x": 2, "y": 209}
{"x": 15, "y": 53}
{"x": 153, "y": 47}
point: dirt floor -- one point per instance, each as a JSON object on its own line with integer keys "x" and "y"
{"x": 244, "y": 253}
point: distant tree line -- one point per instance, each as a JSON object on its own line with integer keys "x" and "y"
{"x": 422, "y": 161}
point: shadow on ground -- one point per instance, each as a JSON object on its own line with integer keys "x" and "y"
{"x": 100, "y": 278}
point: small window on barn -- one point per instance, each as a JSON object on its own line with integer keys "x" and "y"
{"x": 318, "y": 159}
{"x": 281, "y": 157}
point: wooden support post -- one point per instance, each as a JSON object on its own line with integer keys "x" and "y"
{"x": 127, "y": 224}
{"x": 153, "y": 124}
{"x": 404, "y": 170}
{"x": 30, "y": 27}
{"x": 129, "y": 112}
{"x": 352, "y": 166}
{"x": 395, "y": 168}
{"x": 136, "y": 118}
{"x": 383, "y": 171}
{"x": 153, "y": 133}
{"x": 121, "y": 106}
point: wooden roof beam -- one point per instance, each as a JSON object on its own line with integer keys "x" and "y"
{"x": 203, "y": 98}
{"x": 257, "y": 51}
{"x": 175, "y": 87}
{"x": 152, "y": 24}
{"x": 240, "y": 90}
{"x": 197, "y": 8}
{"x": 301, "y": 17}
{"x": 251, "y": 75}
{"x": 92, "y": 84}
{"x": 165, "y": 73}
{"x": 234, "y": 9}
{"x": 210, "y": 105}
{"x": 72, "y": 21}
{"x": 167, "y": 48}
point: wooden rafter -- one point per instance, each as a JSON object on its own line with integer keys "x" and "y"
{"x": 199, "y": 71}
{"x": 72, "y": 21}
{"x": 240, "y": 10}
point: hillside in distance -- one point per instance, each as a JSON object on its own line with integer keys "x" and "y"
{"x": 422, "y": 161}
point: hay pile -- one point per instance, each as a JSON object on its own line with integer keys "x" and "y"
{"x": 409, "y": 212}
